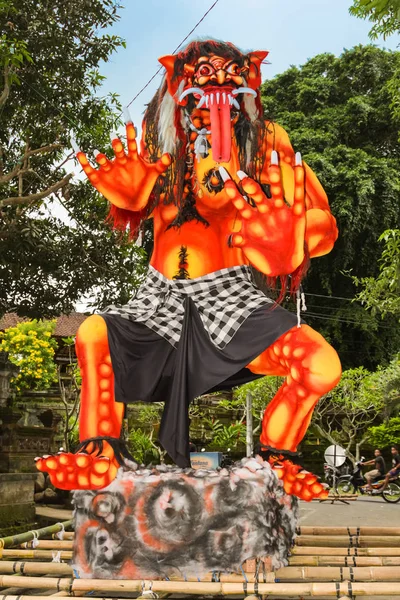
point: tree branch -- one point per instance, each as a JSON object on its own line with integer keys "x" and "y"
{"x": 16, "y": 170}
{"x": 18, "y": 200}
{"x": 6, "y": 90}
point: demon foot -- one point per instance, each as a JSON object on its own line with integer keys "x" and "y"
{"x": 297, "y": 481}
{"x": 78, "y": 471}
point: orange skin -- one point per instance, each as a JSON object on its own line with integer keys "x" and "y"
{"x": 269, "y": 235}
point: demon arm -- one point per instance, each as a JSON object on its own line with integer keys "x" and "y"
{"x": 321, "y": 231}
{"x": 285, "y": 216}
{"x": 128, "y": 179}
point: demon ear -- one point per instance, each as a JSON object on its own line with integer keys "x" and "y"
{"x": 254, "y": 76}
{"x": 168, "y": 61}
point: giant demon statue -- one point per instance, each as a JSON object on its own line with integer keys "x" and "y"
{"x": 228, "y": 198}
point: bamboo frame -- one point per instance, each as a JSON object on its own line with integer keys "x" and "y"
{"x": 357, "y": 531}
{"x": 15, "y": 540}
{"x": 344, "y": 551}
{"x": 339, "y": 541}
{"x": 19, "y": 554}
{"x": 291, "y": 573}
{"x": 328, "y": 588}
{"x": 50, "y": 545}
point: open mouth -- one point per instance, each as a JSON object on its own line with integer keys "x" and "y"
{"x": 219, "y": 101}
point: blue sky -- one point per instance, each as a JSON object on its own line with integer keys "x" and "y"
{"x": 292, "y": 31}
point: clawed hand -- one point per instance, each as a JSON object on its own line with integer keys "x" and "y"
{"x": 272, "y": 232}
{"x": 128, "y": 179}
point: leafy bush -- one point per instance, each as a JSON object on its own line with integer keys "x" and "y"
{"x": 31, "y": 347}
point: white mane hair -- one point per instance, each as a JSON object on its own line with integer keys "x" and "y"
{"x": 167, "y": 133}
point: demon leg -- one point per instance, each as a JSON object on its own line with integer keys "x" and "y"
{"x": 312, "y": 368}
{"x": 100, "y": 416}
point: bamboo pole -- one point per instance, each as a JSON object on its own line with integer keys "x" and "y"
{"x": 339, "y": 541}
{"x": 378, "y": 531}
{"x": 345, "y": 561}
{"x": 50, "y": 545}
{"x": 293, "y": 573}
{"x": 202, "y": 588}
{"x": 308, "y": 530}
{"x": 33, "y": 554}
{"x": 15, "y": 540}
{"x": 298, "y": 558}
{"x": 346, "y": 551}
{"x": 68, "y": 535}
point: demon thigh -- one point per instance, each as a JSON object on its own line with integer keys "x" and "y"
{"x": 311, "y": 367}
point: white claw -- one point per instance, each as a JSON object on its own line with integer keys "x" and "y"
{"x": 74, "y": 145}
{"x": 127, "y": 115}
{"x": 36, "y": 458}
{"x": 235, "y": 103}
{"x": 218, "y": 97}
{"x": 203, "y": 100}
{"x": 298, "y": 161}
{"x": 224, "y": 174}
{"x": 241, "y": 175}
{"x": 274, "y": 158}
{"x": 114, "y": 136}
{"x": 96, "y": 152}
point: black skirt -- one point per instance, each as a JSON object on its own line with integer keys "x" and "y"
{"x": 147, "y": 368}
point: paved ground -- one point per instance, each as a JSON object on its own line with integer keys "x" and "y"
{"x": 373, "y": 512}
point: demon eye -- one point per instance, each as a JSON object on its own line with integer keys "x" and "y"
{"x": 205, "y": 70}
{"x": 233, "y": 69}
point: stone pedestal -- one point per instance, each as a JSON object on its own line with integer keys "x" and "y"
{"x": 164, "y": 522}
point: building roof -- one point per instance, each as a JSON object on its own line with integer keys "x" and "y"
{"x": 67, "y": 325}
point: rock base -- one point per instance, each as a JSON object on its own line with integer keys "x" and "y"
{"x": 164, "y": 522}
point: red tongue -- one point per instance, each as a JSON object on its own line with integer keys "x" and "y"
{"x": 220, "y": 117}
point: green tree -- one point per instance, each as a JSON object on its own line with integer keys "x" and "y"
{"x": 381, "y": 294}
{"x": 50, "y": 56}
{"x": 31, "y": 347}
{"x": 386, "y": 434}
{"x": 337, "y": 113}
{"x": 385, "y": 14}
{"x": 344, "y": 415}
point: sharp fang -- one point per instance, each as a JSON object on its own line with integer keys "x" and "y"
{"x": 211, "y": 98}
{"x": 203, "y": 101}
{"x": 230, "y": 99}
{"x": 192, "y": 90}
{"x": 218, "y": 96}
{"x": 224, "y": 97}
{"x": 235, "y": 103}
{"x": 244, "y": 90}
{"x": 207, "y": 100}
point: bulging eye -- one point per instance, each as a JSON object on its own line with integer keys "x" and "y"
{"x": 205, "y": 70}
{"x": 233, "y": 69}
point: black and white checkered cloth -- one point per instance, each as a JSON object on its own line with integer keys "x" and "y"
{"x": 224, "y": 300}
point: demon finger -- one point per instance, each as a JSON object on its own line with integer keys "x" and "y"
{"x": 102, "y": 160}
{"x": 299, "y": 206}
{"x": 274, "y": 173}
{"x": 240, "y": 203}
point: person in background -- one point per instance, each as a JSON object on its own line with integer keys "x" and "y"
{"x": 395, "y": 470}
{"x": 378, "y": 471}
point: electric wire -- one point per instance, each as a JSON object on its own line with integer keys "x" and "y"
{"x": 174, "y": 51}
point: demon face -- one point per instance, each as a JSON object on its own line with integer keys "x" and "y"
{"x": 217, "y": 81}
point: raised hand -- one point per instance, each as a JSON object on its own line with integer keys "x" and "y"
{"x": 128, "y": 179}
{"x": 272, "y": 232}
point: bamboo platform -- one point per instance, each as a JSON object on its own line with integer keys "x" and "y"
{"x": 325, "y": 562}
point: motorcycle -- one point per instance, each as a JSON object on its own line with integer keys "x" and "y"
{"x": 334, "y": 473}
{"x": 356, "y": 483}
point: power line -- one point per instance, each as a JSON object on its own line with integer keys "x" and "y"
{"x": 174, "y": 51}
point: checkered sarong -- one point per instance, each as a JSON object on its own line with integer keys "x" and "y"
{"x": 224, "y": 299}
